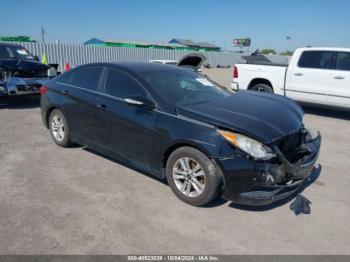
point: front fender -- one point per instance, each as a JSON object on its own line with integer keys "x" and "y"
{"x": 176, "y": 131}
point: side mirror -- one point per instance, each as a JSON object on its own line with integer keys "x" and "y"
{"x": 140, "y": 101}
{"x": 36, "y": 58}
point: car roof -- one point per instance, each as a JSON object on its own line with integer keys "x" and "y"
{"x": 12, "y": 45}
{"x": 337, "y": 49}
{"x": 139, "y": 67}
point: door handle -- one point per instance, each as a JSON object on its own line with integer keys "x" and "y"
{"x": 65, "y": 92}
{"x": 298, "y": 74}
{"x": 133, "y": 101}
{"x": 102, "y": 107}
{"x": 339, "y": 77}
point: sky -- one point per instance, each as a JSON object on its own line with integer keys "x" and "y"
{"x": 266, "y": 22}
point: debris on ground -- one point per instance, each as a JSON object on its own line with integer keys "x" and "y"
{"x": 301, "y": 205}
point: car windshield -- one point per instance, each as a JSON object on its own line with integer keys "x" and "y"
{"x": 184, "y": 87}
{"x": 15, "y": 52}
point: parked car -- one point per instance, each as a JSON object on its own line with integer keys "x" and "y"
{"x": 192, "y": 61}
{"x": 20, "y": 71}
{"x": 314, "y": 75}
{"x": 176, "y": 124}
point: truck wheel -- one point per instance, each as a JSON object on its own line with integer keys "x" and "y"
{"x": 264, "y": 88}
{"x": 192, "y": 176}
{"x": 59, "y": 129}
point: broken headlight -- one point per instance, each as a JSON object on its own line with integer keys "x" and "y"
{"x": 252, "y": 147}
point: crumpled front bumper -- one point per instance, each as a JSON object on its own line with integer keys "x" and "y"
{"x": 21, "y": 86}
{"x": 260, "y": 183}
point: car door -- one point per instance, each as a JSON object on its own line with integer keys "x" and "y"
{"x": 80, "y": 103}
{"x": 339, "y": 89}
{"x": 309, "y": 79}
{"x": 128, "y": 129}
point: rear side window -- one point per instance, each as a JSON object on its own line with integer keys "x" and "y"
{"x": 121, "y": 85}
{"x": 317, "y": 59}
{"x": 87, "y": 77}
{"x": 343, "y": 61}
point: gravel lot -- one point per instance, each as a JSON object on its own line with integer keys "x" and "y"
{"x": 74, "y": 201}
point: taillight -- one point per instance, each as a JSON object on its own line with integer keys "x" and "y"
{"x": 43, "y": 90}
{"x": 235, "y": 72}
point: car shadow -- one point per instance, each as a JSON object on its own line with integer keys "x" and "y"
{"x": 19, "y": 102}
{"x": 312, "y": 178}
{"x": 326, "y": 111}
{"x": 125, "y": 164}
{"x": 219, "y": 201}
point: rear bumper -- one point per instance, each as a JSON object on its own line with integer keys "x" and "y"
{"x": 252, "y": 183}
{"x": 24, "y": 92}
{"x": 21, "y": 86}
{"x": 234, "y": 86}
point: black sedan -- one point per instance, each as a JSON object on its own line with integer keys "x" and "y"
{"x": 171, "y": 122}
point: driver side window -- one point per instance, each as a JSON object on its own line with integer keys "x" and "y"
{"x": 343, "y": 61}
{"x": 122, "y": 85}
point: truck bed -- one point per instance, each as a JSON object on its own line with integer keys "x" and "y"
{"x": 250, "y": 74}
{"x": 261, "y": 60}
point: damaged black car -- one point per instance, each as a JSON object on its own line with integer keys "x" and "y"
{"x": 250, "y": 148}
{"x": 21, "y": 72}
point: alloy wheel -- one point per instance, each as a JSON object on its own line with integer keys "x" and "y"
{"x": 57, "y": 126}
{"x": 189, "y": 177}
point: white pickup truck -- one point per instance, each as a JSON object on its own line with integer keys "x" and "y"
{"x": 314, "y": 75}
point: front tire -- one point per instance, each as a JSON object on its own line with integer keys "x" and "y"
{"x": 263, "y": 88}
{"x": 192, "y": 176}
{"x": 59, "y": 128}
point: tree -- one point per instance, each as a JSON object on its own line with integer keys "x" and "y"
{"x": 287, "y": 53}
{"x": 268, "y": 51}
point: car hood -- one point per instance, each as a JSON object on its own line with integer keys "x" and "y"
{"x": 193, "y": 61}
{"x": 265, "y": 117}
{"x": 23, "y": 65}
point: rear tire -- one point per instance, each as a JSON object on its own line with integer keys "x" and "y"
{"x": 263, "y": 88}
{"x": 59, "y": 128}
{"x": 192, "y": 176}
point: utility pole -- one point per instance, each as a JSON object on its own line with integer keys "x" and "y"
{"x": 42, "y": 34}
